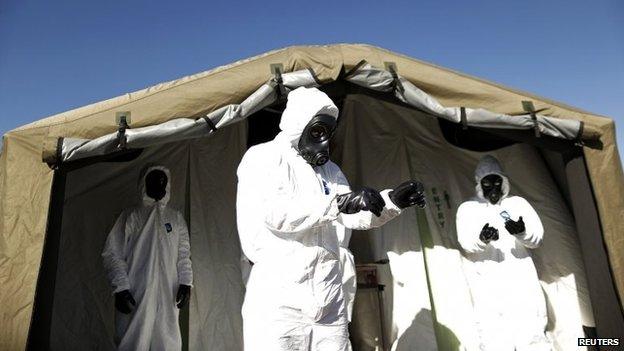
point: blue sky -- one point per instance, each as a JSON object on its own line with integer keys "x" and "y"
{"x": 58, "y": 55}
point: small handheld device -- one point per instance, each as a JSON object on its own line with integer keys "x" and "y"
{"x": 506, "y": 216}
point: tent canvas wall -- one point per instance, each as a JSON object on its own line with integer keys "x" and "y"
{"x": 48, "y": 239}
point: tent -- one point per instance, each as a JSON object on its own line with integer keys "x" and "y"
{"x": 65, "y": 178}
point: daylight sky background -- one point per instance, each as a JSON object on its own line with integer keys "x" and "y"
{"x": 59, "y": 55}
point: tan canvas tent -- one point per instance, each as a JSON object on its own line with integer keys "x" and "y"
{"x": 63, "y": 179}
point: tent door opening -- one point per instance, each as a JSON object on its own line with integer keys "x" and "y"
{"x": 379, "y": 143}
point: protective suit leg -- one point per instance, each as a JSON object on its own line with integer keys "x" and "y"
{"x": 285, "y": 333}
{"x": 330, "y": 338}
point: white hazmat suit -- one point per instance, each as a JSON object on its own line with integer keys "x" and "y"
{"x": 508, "y": 300}
{"x": 347, "y": 263}
{"x": 288, "y": 220}
{"x": 148, "y": 253}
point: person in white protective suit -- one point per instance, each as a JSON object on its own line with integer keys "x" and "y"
{"x": 291, "y": 202}
{"x": 147, "y": 259}
{"x": 496, "y": 232}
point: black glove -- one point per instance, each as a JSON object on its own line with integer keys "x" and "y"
{"x": 124, "y": 302}
{"x": 408, "y": 194}
{"x": 515, "y": 227}
{"x": 488, "y": 233}
{"x": 366, "y": 199}
{"x": 183, "y": 295}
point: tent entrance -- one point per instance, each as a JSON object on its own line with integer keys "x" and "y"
{"x": 379, "y": 142}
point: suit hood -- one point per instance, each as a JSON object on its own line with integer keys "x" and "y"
{"x": 148, "y": 201}
{"x": 490, "y": 165}
{"x": 302, "y": 105}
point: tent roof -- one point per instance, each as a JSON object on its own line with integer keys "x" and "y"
{"x": 198, "y": 94}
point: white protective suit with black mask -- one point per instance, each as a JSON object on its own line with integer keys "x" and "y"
{"x": 508, "y": 301}
{"x": 288, "y": 221}
{"x": 148, "y": 253}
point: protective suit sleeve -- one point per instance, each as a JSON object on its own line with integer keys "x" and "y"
{"x": 289, "y": 214}
{"x": 273, "y": 191}
{"x": 185, "y": 270}
{"x": 114, "y": 257}
{"x": 534, "y": 233}
{"x": 365, "y": 219}
{"x": 468, "y": 224}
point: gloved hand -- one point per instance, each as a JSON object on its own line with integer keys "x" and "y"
{"x": 366, "y": 199}
{"x": 183, "y": 295}
{"x": 488, "y": 233}
{"x": 408, "y": 194}
{"x": 515, "y": 227}
{"x": 124, "y": 302}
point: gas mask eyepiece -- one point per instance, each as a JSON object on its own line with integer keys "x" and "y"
{"x": 313, "y": 145}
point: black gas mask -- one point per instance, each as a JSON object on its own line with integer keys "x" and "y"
{"x": 314, "y": 142}
{"x": 492, "y": 186}
{"x": 156, "y": 184}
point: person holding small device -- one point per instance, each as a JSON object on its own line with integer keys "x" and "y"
{"x": 496, "y": 232}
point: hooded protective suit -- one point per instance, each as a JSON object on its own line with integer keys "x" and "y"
{"x": 148, "y": 253}
{"x": 508, "y": 300}
{"x": 288, "y": 221}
